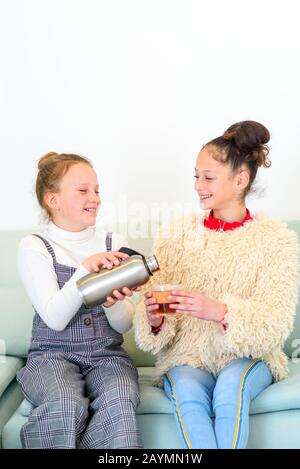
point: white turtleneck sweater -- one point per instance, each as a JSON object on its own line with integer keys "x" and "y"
{"x": 35, "y": 266}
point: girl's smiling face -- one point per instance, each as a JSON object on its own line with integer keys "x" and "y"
{"x": 217, "y": 186}
{"x": 75, "y": 206}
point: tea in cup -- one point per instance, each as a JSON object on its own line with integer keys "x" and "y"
{"x": 161, "y": 294}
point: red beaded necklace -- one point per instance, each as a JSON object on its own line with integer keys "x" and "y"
{"x": 217, "y": 224}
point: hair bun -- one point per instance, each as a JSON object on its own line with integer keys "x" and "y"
{"x": 44, "y": 160}
{"x": 250, "y": 139}
{"x": 247, "y": 135}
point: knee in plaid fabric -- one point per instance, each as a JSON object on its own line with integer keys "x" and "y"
{"x": 55, "y": 424}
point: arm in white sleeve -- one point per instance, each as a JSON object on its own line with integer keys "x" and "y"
{"x": 120, "y": 315}
{"x": 35, "y": 266}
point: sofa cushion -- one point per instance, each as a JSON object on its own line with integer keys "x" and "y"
{"x": 26, "y": 408}
{"x": 283, "y": 395}
{"x": 153, "y": 400}
{"x": 8, "y": 369}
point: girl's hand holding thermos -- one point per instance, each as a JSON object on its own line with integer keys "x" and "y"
{"x": 108, "y": 260}
{"x": 107, "y": 286}
{"x": 118, "y": 296}
{"x": 104, "y": 259}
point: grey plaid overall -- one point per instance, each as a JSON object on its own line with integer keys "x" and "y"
{"x": 82, "y": 383}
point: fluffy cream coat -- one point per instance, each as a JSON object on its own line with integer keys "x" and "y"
{"x": 252, "y": 269}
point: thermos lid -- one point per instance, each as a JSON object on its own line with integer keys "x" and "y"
{"x": 152, "y": 264}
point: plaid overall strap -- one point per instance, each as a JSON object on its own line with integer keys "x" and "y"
{"x": 48, "y": 246}
{"x": 108, "y": 241}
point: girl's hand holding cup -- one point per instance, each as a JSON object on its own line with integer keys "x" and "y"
{"x": 154, "y": 317}
{"x": 157, "y": 302}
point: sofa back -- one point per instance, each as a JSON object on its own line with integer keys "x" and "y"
{"x": 292, "y": 344}
{"x": 16, "y": 312}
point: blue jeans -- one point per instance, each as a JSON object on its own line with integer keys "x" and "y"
{"x": 197, "y": 394}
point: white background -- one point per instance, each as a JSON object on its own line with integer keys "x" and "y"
{"x": 138, "y": 86}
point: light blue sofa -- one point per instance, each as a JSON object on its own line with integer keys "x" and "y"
{"x": 275, "y": 414}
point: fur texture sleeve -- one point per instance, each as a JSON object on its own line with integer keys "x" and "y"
{"x": 148, "y": 341}
{"x": 262, "y": 322}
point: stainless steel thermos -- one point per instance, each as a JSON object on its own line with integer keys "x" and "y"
{"x": 134, "y": 271}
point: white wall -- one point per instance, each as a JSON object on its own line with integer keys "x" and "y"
{"x": 138, "y": 86}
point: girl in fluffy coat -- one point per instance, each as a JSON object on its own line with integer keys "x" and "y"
{"x": 223, "y": 345}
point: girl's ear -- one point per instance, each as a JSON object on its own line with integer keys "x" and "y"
{"x": 243, "y": 179}
{"x": 50, "y": 199}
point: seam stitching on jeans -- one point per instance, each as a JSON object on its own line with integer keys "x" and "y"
{"x": 180, "y": 419}
{"x": 238, "y": 417}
